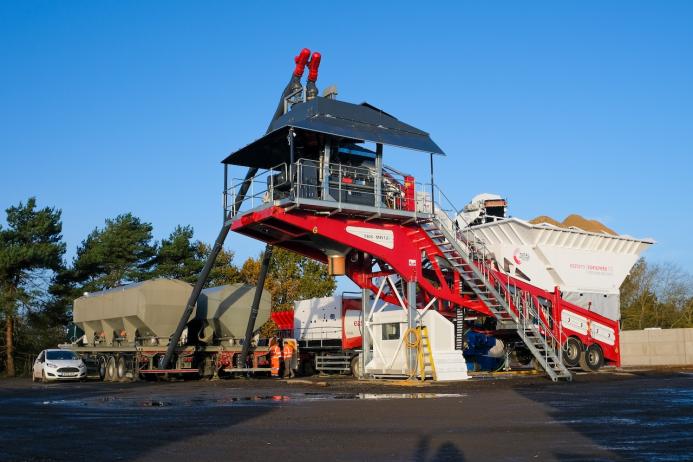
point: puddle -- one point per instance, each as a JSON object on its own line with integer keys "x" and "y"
{"x": 114, "y": 402}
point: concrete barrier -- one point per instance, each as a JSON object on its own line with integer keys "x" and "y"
{"x": 657, "y": 347}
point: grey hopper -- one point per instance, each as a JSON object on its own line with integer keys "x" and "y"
{"x": 226, "y": 310}
{"x": 148, "y": 310}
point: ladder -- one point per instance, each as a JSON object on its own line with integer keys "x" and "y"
{"x": 425, "y": 353}
{"x": 512, "y": 307}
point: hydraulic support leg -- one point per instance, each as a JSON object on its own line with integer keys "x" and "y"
{"x": 266, "y": 259}
{"x": 204, "y": 274}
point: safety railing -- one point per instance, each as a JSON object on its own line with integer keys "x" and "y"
{"x": 347, "y": 186}
{"x": 518, "y": 299}
{"x": 260, "y": 189}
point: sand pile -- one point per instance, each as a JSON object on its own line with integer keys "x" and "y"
{"x": 592, "y": 226}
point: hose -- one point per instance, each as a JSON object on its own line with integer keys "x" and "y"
{"x": 411, "y": 345}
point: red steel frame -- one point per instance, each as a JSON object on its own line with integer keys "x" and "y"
{"x": 292, "y": 228}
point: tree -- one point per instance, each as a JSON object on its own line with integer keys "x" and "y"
{"x": 178, "y": 257}
{"x": 224, "y": 271}
{"x": 291, "y": 277}
{"x": 122, "y": 252}
{"x": 656, "y": 295}
{"x": 31, "y": 245}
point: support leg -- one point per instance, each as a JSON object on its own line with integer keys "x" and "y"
{"x": 266, "y": 259}
{"x": 411, "y": 324}
{"x": 365, "y": 335}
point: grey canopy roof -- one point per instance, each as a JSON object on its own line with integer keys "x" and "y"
{"x": 322, "y": 117}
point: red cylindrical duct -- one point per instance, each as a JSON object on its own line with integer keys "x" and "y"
{"x": 409, "y": 194}
{"x": 301, "y": 61}
{"x": 313, "y": 66}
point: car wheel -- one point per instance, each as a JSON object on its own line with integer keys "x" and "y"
{"x": 43, "y": 377}
{"x": 110, "y": 369}
{"x": 571, "y": 352}
{"x": 592, "y": 359}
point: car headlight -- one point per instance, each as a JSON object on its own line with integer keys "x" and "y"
{"x": 51, "y": 365}
{"x": 82, "y": 366}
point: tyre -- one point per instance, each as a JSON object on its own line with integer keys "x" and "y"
{"x": 308, "y": 366}
{"x": 43, "y": 377}
{"x": 523, "y": 356}
{"x": 571, "y": 352}
{"x": 102, "y": 368}
{"x": 110, "y": 369}
{"x": 355, "y": 367}
{"x": 592, "y": 359}
{"x": 121, "y": 369}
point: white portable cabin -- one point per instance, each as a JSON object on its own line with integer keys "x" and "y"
{"x": 390, "y": 352}
{"x": 587, "y": 267}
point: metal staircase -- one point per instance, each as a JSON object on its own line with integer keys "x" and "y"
{"x": 514, "y": 308}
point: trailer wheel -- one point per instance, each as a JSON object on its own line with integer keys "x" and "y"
{"x": 110, "y": 369}
{"x": 571, "y": 352}
{"x": 121, "y": 369}
{"x": 592, "y": 359}
{"x": 101, "y": 361}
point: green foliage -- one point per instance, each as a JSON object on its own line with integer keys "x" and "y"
{"x": 31, "y": 241}
{"x": 31, "y": 248}
{"x": 291, "y": 277}
{"x": 656, "y": 296}
{"x": 178, "y": 257}
{"x": 120, "y": 253}
{"x": 224, "y": 271}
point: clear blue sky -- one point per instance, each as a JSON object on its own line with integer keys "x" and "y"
{"x": 563, "y": 107}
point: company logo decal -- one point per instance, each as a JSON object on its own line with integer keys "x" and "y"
{"x": 592, "y": 269}
{"x": 382, "y": 237}
{"x": 520, "y": 256}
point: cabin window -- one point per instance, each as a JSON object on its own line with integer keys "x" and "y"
{"x": 391, "y": 331}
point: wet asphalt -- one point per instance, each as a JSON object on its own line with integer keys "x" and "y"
{"x": 616, "y": 415}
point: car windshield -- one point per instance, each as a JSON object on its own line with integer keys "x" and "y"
{"x": 58, "y": 355}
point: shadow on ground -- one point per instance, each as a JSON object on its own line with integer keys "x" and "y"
{"x": 645, "y": 418}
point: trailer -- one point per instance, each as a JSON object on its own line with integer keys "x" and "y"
{"x": 127, "y": 330}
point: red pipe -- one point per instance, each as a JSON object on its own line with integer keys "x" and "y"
{"x": 313, "y": 67}
{"x": 301, "y": 61}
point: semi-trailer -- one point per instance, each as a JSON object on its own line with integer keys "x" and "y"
{"x": 127, "y": 329}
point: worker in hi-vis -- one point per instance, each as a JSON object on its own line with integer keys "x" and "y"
{"x": 288, "y": 353}
{"x": 275, "y": 356}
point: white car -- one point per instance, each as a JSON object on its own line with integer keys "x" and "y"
{"x": 58, "y": 365}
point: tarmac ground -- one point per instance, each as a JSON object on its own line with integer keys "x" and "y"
{"x": 613, "y": 415}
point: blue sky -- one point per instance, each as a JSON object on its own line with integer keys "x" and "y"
{"x": 563, "y": 107}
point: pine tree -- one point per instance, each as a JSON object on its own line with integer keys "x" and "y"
{"x": 30, "y": 245}
{"x": 178, "y": 257}
{"x": 120, "y": 253}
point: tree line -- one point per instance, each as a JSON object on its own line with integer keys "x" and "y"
{"x": 38, "y": 285}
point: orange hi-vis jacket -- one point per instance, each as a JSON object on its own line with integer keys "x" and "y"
{"x": 275, "y": 356}
{"x": 288, "y": 351}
